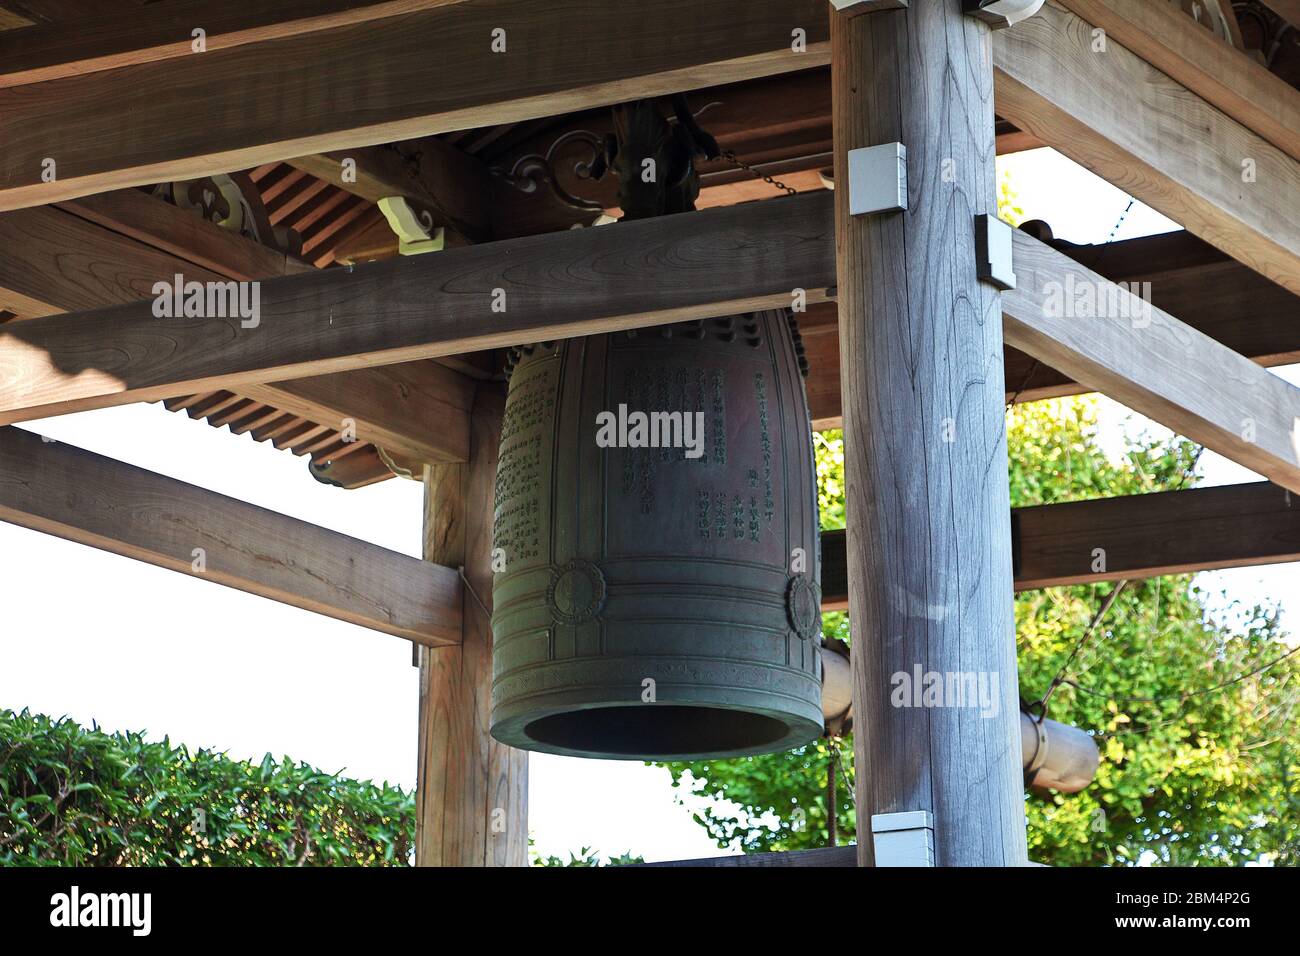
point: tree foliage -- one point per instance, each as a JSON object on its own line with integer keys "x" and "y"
{"x": 73, "y": 796}
{"x": 586, "y": 857}
{"x": 1194, "y": 714}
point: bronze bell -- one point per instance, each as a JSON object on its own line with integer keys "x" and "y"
{"x": 658, "y": 594}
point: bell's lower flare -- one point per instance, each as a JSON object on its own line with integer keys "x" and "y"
{"x": 656, "y": 594}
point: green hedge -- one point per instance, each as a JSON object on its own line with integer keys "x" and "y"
{"x": 72, "y": 796}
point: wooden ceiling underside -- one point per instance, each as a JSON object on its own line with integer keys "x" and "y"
{"x": 524, "y": 178}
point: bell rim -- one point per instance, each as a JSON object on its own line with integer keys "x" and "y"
{"x": 509, "y": 728}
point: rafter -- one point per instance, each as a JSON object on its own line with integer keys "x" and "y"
{"x": 1150, "y": 135}
{"x": 1227, "y": 78}
{"x": 1106, "y": 337}
{"x": 1188, "y": 278}
{"x": 450, "y": 184}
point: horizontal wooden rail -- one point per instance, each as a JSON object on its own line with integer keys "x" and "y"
{"x": 93, "y": 500}
{"x": 1135, "y": 536}
{"x": 631, "y": 275}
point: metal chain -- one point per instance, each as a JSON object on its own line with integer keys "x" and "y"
{"x": 837, "y": 761}
{"x": 832, "y": 815}
{"x": 730, "y": 155}
{"x": 1122, "y": 217}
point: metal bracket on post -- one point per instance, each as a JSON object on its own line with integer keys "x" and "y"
{"x": 1000, "y": 14}
{"x": 878, "y": 179}
{"x": 993, "y": 250}
{"x": 851, "y": 8}
{"x": 903, "y": 839}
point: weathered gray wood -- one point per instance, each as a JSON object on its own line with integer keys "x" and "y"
{"x": 1110, "y": 340}
{"x": 1230, "y": 79}
{"x": 93, "y": 500}
{"x": 1139, "y": 536}
{"x": 1188, "y": 278}
{"x": 471, "y": 792}
{"x": 929, "y": 555}
{"x": 1150, "y": 135}
{"x": 694, "y": 265}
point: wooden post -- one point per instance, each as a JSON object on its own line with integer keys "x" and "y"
{"x": 929, "y": 541}
{"x": 472, "y": 793}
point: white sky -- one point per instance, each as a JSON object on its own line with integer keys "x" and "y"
{"x": 106, "y": 639}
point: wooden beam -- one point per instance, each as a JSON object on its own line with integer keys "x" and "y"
{"x": 1171, "y": 532}
{"x": 1178, "y": 46}
{"x": 1204, "y": 288}
{"x": 929, "y": 538}
{"x": 1153, "y": 137}
{"x": 830, "y": 856}
{"x": 29, "y": 12}
{"x": 65, "y": 491}
{"x": 1107, "y": 338}
{"x": 450, "y": 184}
{"x": 1189, "y": 279}
{"x": 471, "y": 792}
{"x": 852, "y": 8}
{"x": 55, "y": 261}
{"x": 179, "y": 232}
{"x": 1140, "y": 536}
{"x": 374, "y": 82}
{"x": 580, "y": 282}
{"x": 416, "y": 410}
{"x": 1288, "y": 10}
{"x": 92, "y": 39}
{"x": 13, "y": 21}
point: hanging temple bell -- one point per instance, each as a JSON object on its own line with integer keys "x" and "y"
{"x": 656, "y": 508}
